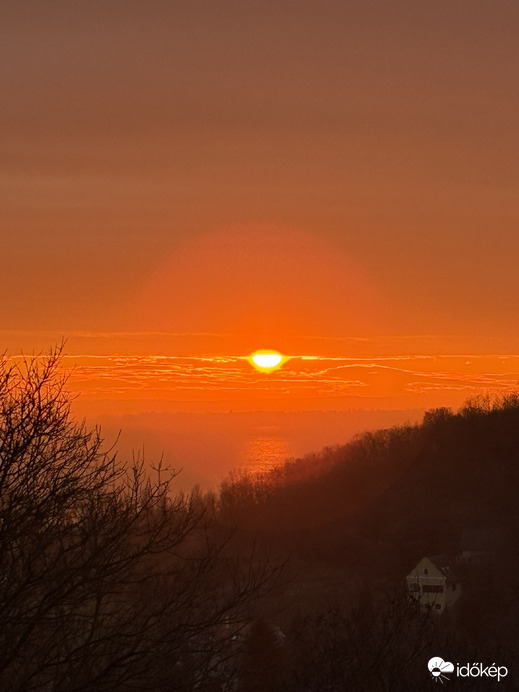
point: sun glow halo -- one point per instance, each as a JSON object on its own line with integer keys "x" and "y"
{"x": 266, "y": 361}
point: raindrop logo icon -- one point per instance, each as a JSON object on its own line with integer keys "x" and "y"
{"x": 439, "y": 667}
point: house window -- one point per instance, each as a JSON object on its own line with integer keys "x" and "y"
{"x": 415, "y": 586}
{"x": 426, "y": 571}
{"x": 432, "y": 588}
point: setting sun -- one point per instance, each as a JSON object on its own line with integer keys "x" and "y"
{"x": 266, "y": 361}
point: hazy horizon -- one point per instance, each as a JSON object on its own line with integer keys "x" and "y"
{"x": 207, "y": 447}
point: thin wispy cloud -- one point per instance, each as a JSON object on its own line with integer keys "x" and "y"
{"x": 201, "y": 378}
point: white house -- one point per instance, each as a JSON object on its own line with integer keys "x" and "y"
{"x": 433, "y": 584}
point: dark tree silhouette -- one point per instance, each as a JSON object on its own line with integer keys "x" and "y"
{"x": 108, "y": 580}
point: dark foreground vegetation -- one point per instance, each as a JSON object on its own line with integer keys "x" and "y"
{"x": 110, "y": 579}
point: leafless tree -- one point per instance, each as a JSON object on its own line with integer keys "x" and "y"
{"x": 108, "y": 580}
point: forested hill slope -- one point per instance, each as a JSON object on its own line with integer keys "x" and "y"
{"x": 408, "y": 490}
{"x": 465, "y": 475}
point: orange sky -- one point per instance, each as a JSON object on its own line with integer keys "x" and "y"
{"x": 200, "y": 180}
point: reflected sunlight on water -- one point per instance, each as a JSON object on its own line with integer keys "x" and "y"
{"x": 209, "y": 447}
{"x": 266, "y": 451}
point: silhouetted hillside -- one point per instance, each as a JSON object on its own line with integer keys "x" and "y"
{"x": 464, "y": 475}
{"x": 356, "y": 520}
{"x": 408, "y": 490}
